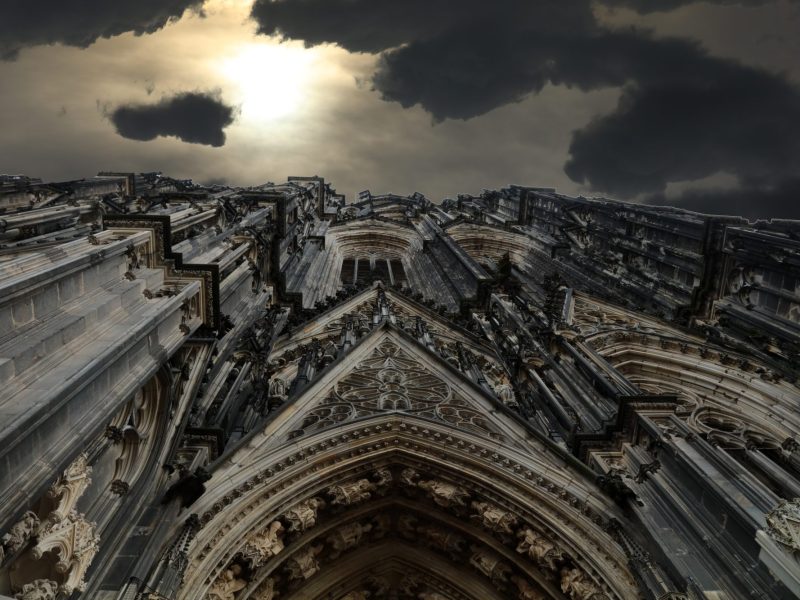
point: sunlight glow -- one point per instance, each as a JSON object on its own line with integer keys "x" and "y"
{"x": 271, "y": 79}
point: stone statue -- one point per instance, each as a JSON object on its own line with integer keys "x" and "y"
{"x": 227, "y": 584}
{"x": 304, "y": 516}
{"x": 783, "y": 524}
{"x": 303, "y": 563}
{"x": 526, "y": 590}
{"x": 347, "y": 537}
{"x": 490, "y": 565}
{"x": 445, "y": 494}
{"x": 431, "y": 596}
{"x": 265, "y": 591}
{"x": 360, "y": 595}
{"x": 383, "y": 478}
{"x": 443, "y": 540}
{"x": 262, "y": 546}
{"x": 20, "y": 533}
{"x": 382, "y": 523}
{"x": 409, "y": 477}
{"x": 40, "y": 589}
{"x": 277, "y": 389}
{"x": 407, "y": 526}
{"x": 579, "y": 586}
{"x": 494, "y": 518}
{"x": 351, "y": 493}
{"x": 541, "y": 550}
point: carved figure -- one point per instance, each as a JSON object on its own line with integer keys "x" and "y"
{"x": 266, "y": 591}
{"x": 227, "y": 584}
{"x": 579, "y": 586}
{"x": 407, "y": 526}
{"x": 442, "y": 539}
{"x": 383, "y": 478}
{"x": 20, "y": 532}
{"x": 360, "y": 595}
{"x": 347, "y": 537}
{"x": 40, "y": 589}
{"x": 409, "y": 477}
{"x": 265, "y": 544}
{"x": 783, "y": 524}
{"x": 303, "y": 516}
{"x": 494, "y": 518}
{"x": 445, "y": 494}
{"x": 541, "y": 550}
{"x": 303, "y": 564}
{"x": 382, "y": 525}
{"x": 351, "y": 493}
{"x": 490, "y": 565}
{"x": 431, "y": 596}
{"x": 526, "y": 590}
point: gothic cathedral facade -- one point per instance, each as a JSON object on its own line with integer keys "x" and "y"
{"x": 220, "y": 393}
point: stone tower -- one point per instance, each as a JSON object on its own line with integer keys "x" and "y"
{"x": 223, "y": 393}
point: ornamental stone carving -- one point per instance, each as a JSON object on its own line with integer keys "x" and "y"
{"x": 443, "y": 540}
{"x": 494, "y": 518}
{"x": 69, "y": 487}
{"x": 783, "y": 524}
{"x": 445, "y": 494}
{"x": 303, "y": 516}
{"x": 539, "y": 549}
{"x": 347, "y": 537}
{"x": 74, "y": 542}
{"x": 490, "y": 565}
{"x": 40, "y": 589}
{"x": 579, "y": 586}
{"x": 525, "y": 591}
{"x": 227, "y": 584}
{"x": 265, "y": 544}
{"x": 266, "y": 591}
{"x": 19, "y": 533}
{"x": 303, "y": 564}
{"x": 431, "y": 596}
{"x": 351, "y": 493}
{"x": 360, "y": 595}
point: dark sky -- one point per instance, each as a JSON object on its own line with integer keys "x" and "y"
{"x": 678, "y": 102}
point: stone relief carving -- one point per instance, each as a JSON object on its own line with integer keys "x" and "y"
{"x": 443, "y": 540}
{"x": 303, "y": 564}
{"x": 40, "y": 589}
{"x": 539, "y": 549}
{"x": 783, "y": 524}
{"x": 74, "y": 542}
{"x": 525, "y": 591}
{"x": 494, "y": 518}
{"x": 359, "y": 595}
{"x": 227, "y": 584}
{"x": 19, "y": 533}
{"x": 431, "y": 596}
{"x": 347, "y": 537}
{"x": 69, "y": 487}
{"x": 265, "y": 544}
{"x": 446, "y": 495}
{"x": 304, "y": 515}
{"x": 490, "y": 565}
{"x": 391, "y": 380}
{"x": 354, "y": 492}
{"x": 579, "y": 586}
{"x": 266, "y": 591}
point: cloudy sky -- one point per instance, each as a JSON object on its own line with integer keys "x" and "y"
{"x": 663, "y": 101}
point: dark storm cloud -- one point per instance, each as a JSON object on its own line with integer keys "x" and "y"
{"x": 27, "y": 23}
{"x": 650, "y": 6}
{"x": 683, "y": 114}
{"x": 193, "y": 117}
{"x": 751, "y": 201}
